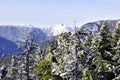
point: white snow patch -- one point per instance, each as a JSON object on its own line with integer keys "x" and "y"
{"x": 58, "y": 29}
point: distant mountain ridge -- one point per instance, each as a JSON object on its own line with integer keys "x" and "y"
{"x": 8, "y": 48}
{"x": 14, "y": 34}
{"x": 94, "y": 27}
{"x": 10, "y": 35}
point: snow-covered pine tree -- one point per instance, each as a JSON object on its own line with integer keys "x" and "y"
{"x": 68, "y": 54}
{"x": 77, "y": 48}
{"x": 103, "y": 56}
{"x": 13, "y": 68}
{"x": 105, "y": 43}
{"x": 117, "y": 33}
{"x": 116, "y": 61}
{"x": 31, "y": 49}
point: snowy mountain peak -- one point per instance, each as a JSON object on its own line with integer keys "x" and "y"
{"x": 57, "y": 29}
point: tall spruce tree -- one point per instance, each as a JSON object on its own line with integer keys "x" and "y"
{"x": 104, "y": 55}
{"x": 117, "y": 33}
{"x": 31, "y": 50}
{"x": 105, "y": 42}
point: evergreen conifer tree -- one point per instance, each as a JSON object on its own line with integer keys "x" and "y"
{"x": 104, "y": 54}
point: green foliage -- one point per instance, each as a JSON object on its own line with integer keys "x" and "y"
{"x": 44, "y": 68}
{"x": 45, "y": 77}
{"x": 117, "y": 34}
{"x": 105, "y": 42}
{"x": 104, "y": 56}
{"x": 87, "y": 75}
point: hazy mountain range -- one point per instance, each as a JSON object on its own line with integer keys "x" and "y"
{"x": 11, "y": 35}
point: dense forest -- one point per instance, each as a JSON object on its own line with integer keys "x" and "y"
{"x": 74, "y": 55}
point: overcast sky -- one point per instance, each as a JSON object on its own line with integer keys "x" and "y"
{"x": 52, "y": 12}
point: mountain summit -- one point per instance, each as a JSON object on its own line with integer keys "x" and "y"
{"x": 57, "y": 29}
